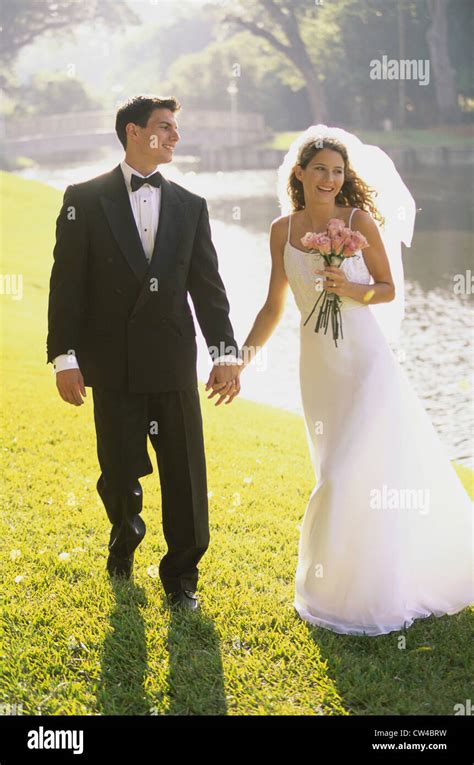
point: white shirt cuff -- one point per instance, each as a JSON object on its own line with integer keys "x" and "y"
{"x": 65, "y": 361}
{"x": 229, "y": 359}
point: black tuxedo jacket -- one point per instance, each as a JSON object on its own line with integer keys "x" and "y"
{"x": 129, "y": 322}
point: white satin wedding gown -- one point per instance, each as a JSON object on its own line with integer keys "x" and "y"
{"x": 387, "y": 536}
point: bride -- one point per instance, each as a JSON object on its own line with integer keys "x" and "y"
{"x": 387, "y": 536}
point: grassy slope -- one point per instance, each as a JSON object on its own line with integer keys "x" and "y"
{"x": 414, "y": 138}
{"x": 75, "y": 643}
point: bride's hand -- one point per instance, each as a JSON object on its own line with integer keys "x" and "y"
{"x": 224, "y": 380}
{"x": 337, "y": 282}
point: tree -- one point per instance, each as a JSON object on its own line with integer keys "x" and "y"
{"x": 189, "y": 31}
{"x": 328, "y": 48}
{"x": 51, "y": 94}
{"x": 280, "y": 24}
{"x": 258, "y": 79}
{"x": 444, "y": 75}
{"x": 460, "y": 29}
{"x": 24, "y": 21}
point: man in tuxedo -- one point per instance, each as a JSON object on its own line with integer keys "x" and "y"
{"x": 130, "y": 245}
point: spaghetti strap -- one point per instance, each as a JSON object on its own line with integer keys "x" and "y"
{"x": 289, "y": 228}
{"x": 352, "y": 213}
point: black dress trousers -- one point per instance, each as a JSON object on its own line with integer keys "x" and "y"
{"x": 173, "y": 422}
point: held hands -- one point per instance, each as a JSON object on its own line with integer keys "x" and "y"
{"x": 70, "y": 384}
{"x": 224, "y": 381}
{"x": 333, "y": 275}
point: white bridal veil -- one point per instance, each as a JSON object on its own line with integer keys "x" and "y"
{"x": 393, "y": 200}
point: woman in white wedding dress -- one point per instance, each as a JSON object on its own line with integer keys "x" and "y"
{"x": 387, "y": 536}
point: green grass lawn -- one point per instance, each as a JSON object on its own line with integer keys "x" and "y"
{"x": 74, "y": 643}
{"x": 459, "y": 136}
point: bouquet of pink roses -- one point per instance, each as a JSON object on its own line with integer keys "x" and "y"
{"x": 337, "y": 243}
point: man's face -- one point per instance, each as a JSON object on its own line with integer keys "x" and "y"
{"x": 158, "y": 139}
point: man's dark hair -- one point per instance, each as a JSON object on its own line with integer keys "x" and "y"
{"x": 138, "y": 110}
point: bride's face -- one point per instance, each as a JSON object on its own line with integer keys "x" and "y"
{"x": 323, "y": 176}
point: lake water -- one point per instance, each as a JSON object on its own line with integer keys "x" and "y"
{"x": 436, "y": 347}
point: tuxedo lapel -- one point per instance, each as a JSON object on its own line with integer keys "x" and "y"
{"x": 118, "y": 211}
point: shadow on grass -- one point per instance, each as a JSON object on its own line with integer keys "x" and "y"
{"x": 124, "y": 662}
{"x": 420, "y": 670}
{"x": 195, "y": 677}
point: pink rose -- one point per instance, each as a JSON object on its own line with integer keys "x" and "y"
{"x": 346, "y": 235}
{"x": 358, "y": 241}
{"x": 324, "y": 245}
{"x": 337, "y": 244}
{"x": 349, "y": 250}
{"x": 335, "y": 227}
{"x": 309, "y": 239}
{"x": 319, "y": 242}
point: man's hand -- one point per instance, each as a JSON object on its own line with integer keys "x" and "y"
{"x": 225, "y": 382}
{"x": 70, "y": 384}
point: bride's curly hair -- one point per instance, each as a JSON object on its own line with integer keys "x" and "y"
{"x": 354, "y": 192}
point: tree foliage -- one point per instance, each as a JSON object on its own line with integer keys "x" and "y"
{"x": 23, "y": 21}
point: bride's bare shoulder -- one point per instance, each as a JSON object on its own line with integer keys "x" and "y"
{"x": 279, "y": 226}
{"x": 362, "y": 221}
{"x": 280, "y": 222}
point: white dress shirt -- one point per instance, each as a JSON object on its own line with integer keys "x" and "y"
{"x": 145, "y": 203}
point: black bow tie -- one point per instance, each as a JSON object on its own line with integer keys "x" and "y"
{"x": 154, "y": 180}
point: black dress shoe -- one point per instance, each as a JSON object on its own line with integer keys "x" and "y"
{"x": 117, "y": 566}
{"x": 185, "y": 599}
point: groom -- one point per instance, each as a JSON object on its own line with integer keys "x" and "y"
{"x": 129, "y": 247}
